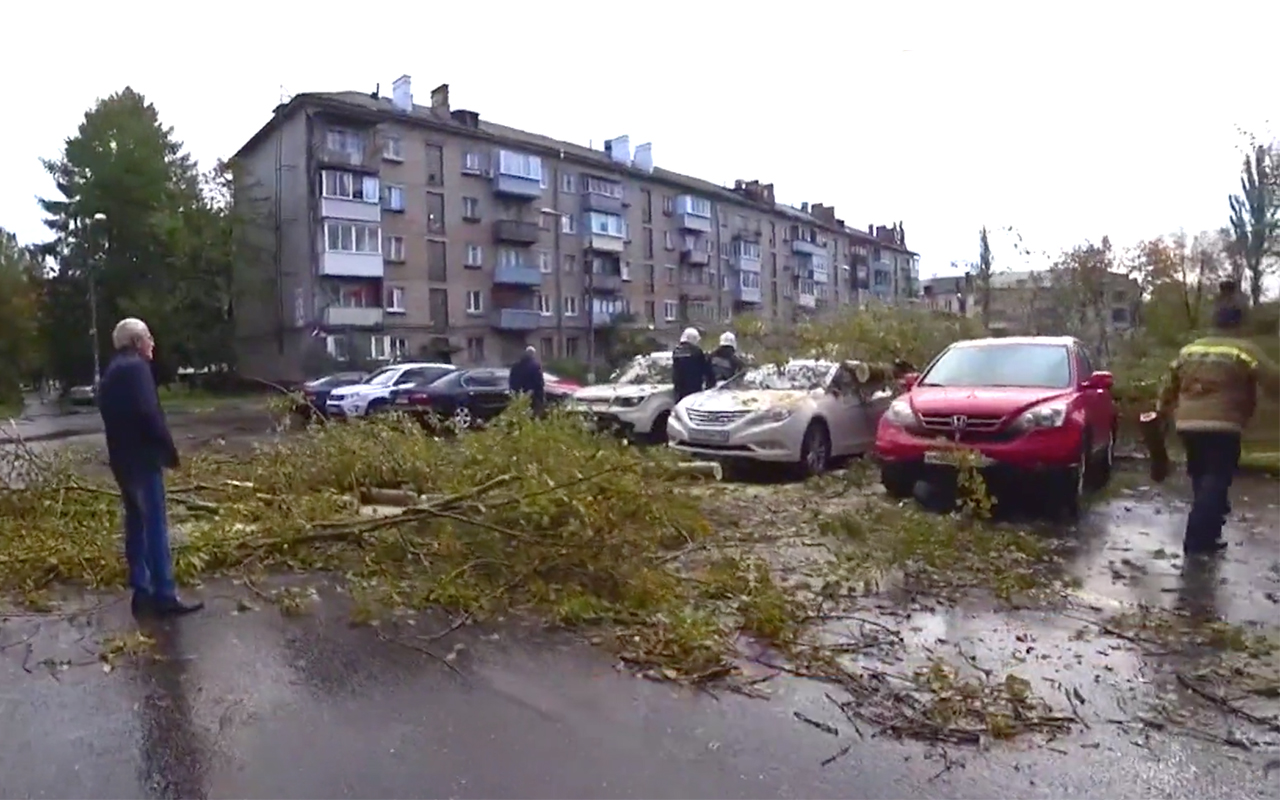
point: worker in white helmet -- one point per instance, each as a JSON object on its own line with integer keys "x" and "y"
{"x": 691, "y": 372}
{"x": 725, "y": 361}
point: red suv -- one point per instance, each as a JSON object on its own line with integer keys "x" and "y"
{"x": 1032, "y": 407}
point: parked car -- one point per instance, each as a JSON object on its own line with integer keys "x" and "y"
{"x": 803, "y": 413}
{"x": 81, "y": 396}
{"x": 559, "y": 384}
{"x": 374, "y": 394}
{"x": 637, "y": 400}
{"x": 467, "y": 397}
{"x": 1030, "y": 407}
{"x": 315, "y": 392}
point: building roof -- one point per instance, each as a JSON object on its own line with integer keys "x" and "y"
{"x": 380, "y": 108}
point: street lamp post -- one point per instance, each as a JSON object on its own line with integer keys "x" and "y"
{"x": 98, "y": 219}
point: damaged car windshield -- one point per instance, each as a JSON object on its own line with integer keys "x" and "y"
{"x": 1040, "y": 366}
{"x": 795, "y": 376}
{"x": 644, "y": 369}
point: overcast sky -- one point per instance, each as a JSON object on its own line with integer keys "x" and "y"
{"x": 1115, "y": 118}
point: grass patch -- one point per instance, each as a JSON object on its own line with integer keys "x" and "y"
{"x": 182, "y": 398}
{"x": 1263, "y": 462}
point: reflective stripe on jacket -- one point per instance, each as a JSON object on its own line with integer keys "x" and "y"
{"x": 1213, "y": 384}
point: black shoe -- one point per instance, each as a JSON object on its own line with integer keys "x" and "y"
{"x": 1205, "y": 549}
{"x": 173, "y": 607}
{"x": 141, "y": 604}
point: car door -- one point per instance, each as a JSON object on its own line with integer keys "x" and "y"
{"x": 1094, "y": 401}
{"x": 843, "y": 409}
{"x": 487, "y": 393}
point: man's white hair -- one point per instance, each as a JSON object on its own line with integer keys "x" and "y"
{"x": 130, "y": 332}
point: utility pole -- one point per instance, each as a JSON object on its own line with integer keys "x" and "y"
{"x": 95, "y": 262}
{"x": 591, "y": 318}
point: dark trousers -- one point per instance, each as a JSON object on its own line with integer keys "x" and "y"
{"x": 1212, "y": 459}
{"x": 146, "y": 534}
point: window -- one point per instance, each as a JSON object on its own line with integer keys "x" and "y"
{"x": 356, "y": 297}
{"x": 570, "y": 305}
{"x": 544, "y": 262}
{"x": 571, "y": 347}
{"x": 569, "y": 224}
{"x": 626, "y": 270}
{"x": 668, "y": 204}
{"x": 437, "y": 261}
{"x": 471, "y": 208}
{"x": 520, "y": 165}
{"x": 395, "y": 248}
{"x": 475, "y": 255}
{"x": 345, "y": 141}
{"x": 748, "y": 251}
{"x": 393, "y": 198}
{"x": 646, "y": 206}
{"x": 606, "y": 224}
{"x": 548, "y": 347}
{"x": 475, "y": 302}
{"x": 509, "y": 257}
{"x": 337, "y": 347}
{"x": 649, "y": 311}
{"x": 545, "y": 305}
{"x": 670, "y": 310}
{"x": 594, "y": 185}
{"x": 379, "y": 348}
{"x": 570, "y": 263}
{"x": 566, "y": 182}
{"x": 471, "y": 162}
{"x": 749, "y": 280}
{"x": 1119, "y": 316}
{"x": 475, "y": 349}
{"x": 352, "y": 237}
{"x": 694, "y": 205}
{"x": 435, "y": 212}
{"x": 348, "y": 186}
{"x": 395, "y": 299}
{"x": 648, "y": 242}
{"x": 1015, "y": 365}
{"x": 393, "y": 149}
{"x": 668, "y": 241}
{"x": 671, "y": 274}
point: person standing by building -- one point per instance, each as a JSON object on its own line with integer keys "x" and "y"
{"x": 1210, "y": 394}
{"x": 140, "y": 448}
{"x": 725, "y": 361}
{"x": 526, "y": 378}
{"x": 690, "y": 370}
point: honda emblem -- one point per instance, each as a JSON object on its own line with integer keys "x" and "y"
{"x": 958, "y": 423}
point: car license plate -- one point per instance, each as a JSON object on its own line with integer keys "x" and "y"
{"x": 708, "y": 436}
{"x": 404, "y": 401}
{"x": 952, "y": 457}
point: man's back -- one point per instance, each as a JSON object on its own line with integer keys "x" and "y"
{"x": 136, "y": 433}
{"x": 1218, "y": 378}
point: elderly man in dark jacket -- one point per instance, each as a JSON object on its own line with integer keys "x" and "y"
{"x": 140, "y": 448}
{"x": 526, "y": 378}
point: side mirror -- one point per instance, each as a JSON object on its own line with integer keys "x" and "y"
{"x": 909, "y": 380}
{"x": 1100, "y": 380}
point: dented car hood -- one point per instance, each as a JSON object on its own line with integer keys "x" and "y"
{"x": 607, "y": 392}
{"x": 749, "y": 399}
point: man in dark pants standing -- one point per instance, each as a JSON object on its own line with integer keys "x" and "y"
{"x": 526, "y": 378}
{"x": 140, "y": 448}
{"x": 1211, "y": 392}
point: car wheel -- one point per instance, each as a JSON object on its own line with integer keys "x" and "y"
{"x": 1074, "y": 482}
{"x": 462, "y": 418}
{"x": 377, "y": 407}
{"x": 899, "y": 483}
{"x": 658, "y": 433}
{"x": 815, "y": 450}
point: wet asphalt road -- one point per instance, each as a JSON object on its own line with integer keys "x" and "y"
{"x": 251, "y": 704}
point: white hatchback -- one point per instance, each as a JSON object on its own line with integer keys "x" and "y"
{"x": 374, "y": 394}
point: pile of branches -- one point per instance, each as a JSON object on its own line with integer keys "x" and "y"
{"x": 526, "y": 514}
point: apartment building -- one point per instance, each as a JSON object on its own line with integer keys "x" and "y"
{"x": 383, "y": 229}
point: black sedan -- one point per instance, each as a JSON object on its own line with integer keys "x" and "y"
{"x": 467, "y": 398}
{"x": 316, "y": 392}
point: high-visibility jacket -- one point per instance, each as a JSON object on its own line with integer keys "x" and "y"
{"x": 1213, "y": 384}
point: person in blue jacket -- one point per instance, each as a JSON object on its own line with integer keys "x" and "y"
{"x": 140, "y": 448}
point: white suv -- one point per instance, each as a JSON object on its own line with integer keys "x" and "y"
{"x": 375, "y": 393}
{"x": 637, "y": 399}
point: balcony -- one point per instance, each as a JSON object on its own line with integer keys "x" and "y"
{"x": 516, "y": 187}
{"x": 604, "y": 243}
{"x": 340, "y": 208}
{"x": 821, "y": 274}
{"x": 695, "y": 257}
{"x": 746, "y": 263}
{"x": 343, "y": 317}
{"x": 365, "y": 158}
{"x": 517, "y": 275}
{"x": 336, "y": 264}
{"x": 806, "y": 300}
{"x": 517, "y": 319}
{"x": 606, "y": 283}
{"x": 605, "y": 203}
{"x": 807, "y": 248}
{"x": 696, "y": 291}
{"x": 743, "y": 294}
{"x": 600, "y": 318}
{"x": 516, "y": 232}
{"x": 693, "y": 222}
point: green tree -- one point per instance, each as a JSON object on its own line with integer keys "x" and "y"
{"x": 136, "y": 223}
{"x": 1255, "y": 216}
{"x": 20, "y": 273}
{"x": 982, "y": 276}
